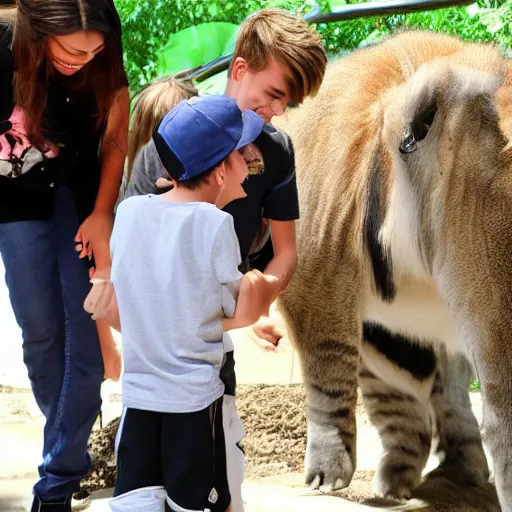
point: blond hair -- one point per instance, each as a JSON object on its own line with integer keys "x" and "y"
{"x": 289, "y": 40}
{"x": 151, "y": 105}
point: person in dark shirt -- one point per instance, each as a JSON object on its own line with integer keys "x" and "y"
{"x": 278, "y": 60}
{"x": 63, "y": 129}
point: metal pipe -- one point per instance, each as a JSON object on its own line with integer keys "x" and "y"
{"x": 341, "y": 13}
{"x": 380, "y": 8}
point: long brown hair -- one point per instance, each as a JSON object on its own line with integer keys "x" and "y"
{"x": 35, "y": 21}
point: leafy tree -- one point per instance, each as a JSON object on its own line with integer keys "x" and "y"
{"x": 155, "y": 44}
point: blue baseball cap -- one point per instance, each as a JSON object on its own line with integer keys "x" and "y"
{"x": 198, "y": 134}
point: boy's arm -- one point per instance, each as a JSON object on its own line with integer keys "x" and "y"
{"x": 282, "y": 265}
{"x": 244, "y": 298}
{"x": 252, "y": 300}
{"x": 281, "y": 207}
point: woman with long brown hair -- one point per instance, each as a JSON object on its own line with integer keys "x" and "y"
{"x": 63, "y": 127}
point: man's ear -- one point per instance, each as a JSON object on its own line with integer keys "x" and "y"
{"x": 239, "y": 68}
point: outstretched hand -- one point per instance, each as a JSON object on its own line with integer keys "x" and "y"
{"x": 93, "y": 239}
{"x": 267, "y": 333}
{"x": 254, "y": 299}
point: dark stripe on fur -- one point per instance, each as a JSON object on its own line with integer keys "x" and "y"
{"x": 346, "y": 436}
{"x": 341, "y": 413}
{"x": 338, "y": 414}
{"x": 425, "y": 439}
{"x": 331, "y": 393}
{"x": 418, "y": 360}
{"x": 402, "y": 468}
{"x": 336, "y": 348}
{"x": 373, "y": 220}
{"x": 409, "y": 451}
{"x": 389, "y": 413}
{"x": 386, "y": 398}
{"x": 367, "y": 374}
{"x": 394, "y": 430}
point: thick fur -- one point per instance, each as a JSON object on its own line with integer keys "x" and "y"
{"x": 405, "y": 183}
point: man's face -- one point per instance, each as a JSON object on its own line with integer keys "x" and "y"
{"x": 266, "y": 92}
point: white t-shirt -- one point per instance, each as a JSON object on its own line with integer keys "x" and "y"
{"x": 175, "y": 273}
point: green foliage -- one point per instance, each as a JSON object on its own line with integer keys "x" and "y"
{"x": 193, "y": 46}
{"x": 484, "y": 20}
{"x": 148, "y": 25}
{"x": 148, "y": 29}
{"x": 474, "y": 387}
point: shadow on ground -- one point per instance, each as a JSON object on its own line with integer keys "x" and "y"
{"x": 437, "y": 493}
{"x": 444, "y": 495}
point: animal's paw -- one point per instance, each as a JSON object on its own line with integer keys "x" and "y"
{"x": 396, "y": 480}
{"x": 330, "y": 463}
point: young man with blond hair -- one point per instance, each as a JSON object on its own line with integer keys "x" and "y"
{"x": 278, "y": 60}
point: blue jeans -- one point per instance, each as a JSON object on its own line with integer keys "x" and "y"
{"x": 47, "y": 286}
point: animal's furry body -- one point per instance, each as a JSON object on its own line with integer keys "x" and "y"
{"x": 405, "y": 243}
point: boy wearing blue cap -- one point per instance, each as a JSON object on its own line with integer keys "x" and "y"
{"x": 175, "y": 261}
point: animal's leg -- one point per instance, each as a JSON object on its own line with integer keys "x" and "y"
{"x": 404, "y": 426}
{"x": 493, "y": 364}
{"x": 329, "y": 362}
{"x": 331, "y": 447}
{"x": 459, "y": 445}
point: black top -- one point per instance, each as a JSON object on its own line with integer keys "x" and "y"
{"x": 271, "y": 194}
{"x": 29, "y": 175}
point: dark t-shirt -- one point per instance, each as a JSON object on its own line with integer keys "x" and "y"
{"x": 271, "y": 194}
{"x": 29, "y": 175}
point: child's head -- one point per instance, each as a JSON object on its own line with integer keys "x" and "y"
{"x": 151, "y": 105}
{"x": 201, "y": 144}
{"x": 278, "y": 59}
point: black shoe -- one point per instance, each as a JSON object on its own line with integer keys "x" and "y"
{"x": 54, "y": 506}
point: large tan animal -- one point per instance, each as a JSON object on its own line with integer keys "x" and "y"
{"x": 404, "y": 169}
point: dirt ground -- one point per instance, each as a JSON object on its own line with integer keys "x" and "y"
{"x": 275, "y": 424}
{"x": 274, "y": 420}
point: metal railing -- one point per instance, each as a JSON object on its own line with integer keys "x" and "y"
{"x": 341, "y": 13}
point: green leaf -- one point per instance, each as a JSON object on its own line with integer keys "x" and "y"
{"x": 195, "y": 46}
{"x": 375, "y": 36}
{"x": 474, "y": 386}
{"x": 213, "y": 10}
{"x": 215, "y": 84}
{"x": 336, "y": 3}
{"x": 495, "y": 27}
{"x": 473, "y": 10}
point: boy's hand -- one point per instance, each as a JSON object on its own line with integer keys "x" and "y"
{"x": 254, "y": 299}
{"x": 268, "y": 333}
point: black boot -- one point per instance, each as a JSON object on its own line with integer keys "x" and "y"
{"x": 54, "y": 506}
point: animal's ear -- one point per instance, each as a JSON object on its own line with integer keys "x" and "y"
{"x": 418, "y": 128}
{"x": 422, "y": 122}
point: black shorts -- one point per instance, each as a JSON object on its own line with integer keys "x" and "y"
{"x": 183, "y": 452}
